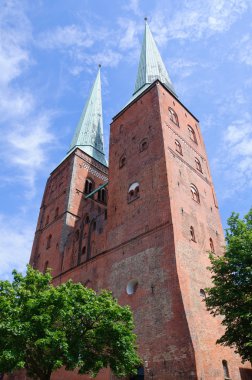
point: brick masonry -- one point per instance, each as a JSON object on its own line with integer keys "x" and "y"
{"x": 147, "y": 239}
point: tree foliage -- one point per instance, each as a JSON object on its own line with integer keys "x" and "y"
{"x": 43, "y": 328}
{"x": 231, "y": 295}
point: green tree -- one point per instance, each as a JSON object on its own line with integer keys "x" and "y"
{"x": 231, "y": 294}
{"x": 43, "y": 328}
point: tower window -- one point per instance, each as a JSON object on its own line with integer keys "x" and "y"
{"x": 49, "y": 242}
{"x": 83, "y": 251}
{"x": 76, "y": 235}
{"x": 178, "y": 147}
{"x": 195, "y": 193}
{"x": 225, "y": 369}
{"x": 87, "y": 220}
{"x": 102, "y": 196}
{"x": 94, "y": 225}
{"x": 132, "y": 287}
{"x": 192, "y": 233}
{"x": 122, "y": 161}
{"x": 45, "y": 266}
{"x": 88, "y": 186}
{"x": 198, "y": 164}
{"x": 173, "y": 116}
{"x": 211, "y": 244}
{"x": 56, "y": 213}
{"x": 133, "y": 192}
{"x": 192, "y": 134}
{"x": 202, "y": 293}
{"x": 143, "y": 145}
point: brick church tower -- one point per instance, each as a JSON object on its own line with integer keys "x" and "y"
{"x": 145, "y": 233}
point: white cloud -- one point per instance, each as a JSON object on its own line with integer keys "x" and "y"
{"x": 65, "y": 37}
{"x": 133, "y": 6}
{"x": 243, "y": 50}
{"x": 197, "y": 19}
{"x": 15, "y": 244}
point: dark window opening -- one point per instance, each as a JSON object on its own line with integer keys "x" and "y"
{"x": 211, "y": 244}
{"x": 49, "y": 242}
{"x": 88, "y": 186}
{"x": 87, "y": 220}
{"x": 94, "y": 225}
{"x": 173, "y": 116}
{"x": 105, "y": 214}
{"x": 192, "y": 134}
{"x": 178, "y": 147}
{"x": 195, "y": 193}
{"x": 102, "y": 196}
{"x": 140, "y": 374}
{"x": 143, "y": 145}
{"x": 202, "y": 293}
{"x": 122, "y": 161}
{"x": 83, "y": 251}
{"x": 225, "y": 369}
{"x": 198, "y": 165}
{"x": 192, "y": 233}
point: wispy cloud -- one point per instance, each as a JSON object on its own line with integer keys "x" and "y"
{"x": 197, "y": 19}
{"x": 243, "y": 50}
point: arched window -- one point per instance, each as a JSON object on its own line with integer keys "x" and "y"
{"x": 225, "y": 369}
{"x": 192, "y": 233}
{"x": 178, "y": 147}
{"x": 45, "y": 266}
{"x": 88, "y": 186}
{"x": 195, "y": 193}
{"x": 56, "y": 213}
{"x": 202, "y": 293}
{"x": 211, "y": 244}
{"x": 83, "y": 251}
{"x": 87, "y": 220}
{"x": 49, "y": 241}
{"x": 102, "y": 196}
{"x": 122, "y": 161}
{"x": 192, "y": 134}
{"x": 198, "y": 164}
{"x": 173, "y": 116}
{"x": 133, "y": 192}
{"x": 143, "y": 145}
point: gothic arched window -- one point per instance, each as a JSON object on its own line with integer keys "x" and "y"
{"x": 133, "y": 191}
{"x": 122, "y": 161}
{"x": 192, "y": 134}
{"x": 195, "y": 193}
{"x": 143, "y": 145}
{"x": 88, "y": 186}
{"x": 173, "y": 116}
{"x": 192, "y": 234}
{"x": 178, "y": 147}
{"x": 225, "y": 369}
{"x": 102, "y": 196}
{"x": 49, "y": 241}
{"x": 198, "y": 164}
{"x": 211, "y": 244}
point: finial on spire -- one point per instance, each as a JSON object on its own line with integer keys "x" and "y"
{"x": 146, "y": 19}
{"x": 99, "y": 65}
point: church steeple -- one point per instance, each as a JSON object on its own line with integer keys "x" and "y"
{"x": 151, "y": 66}
{"x": 89, "y": 132}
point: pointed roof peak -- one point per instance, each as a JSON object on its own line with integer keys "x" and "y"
{"x": 89, "y": 132}
{"x": 151, "y": 66}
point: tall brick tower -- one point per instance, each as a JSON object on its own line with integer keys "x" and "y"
{"x": 146, "y": 235}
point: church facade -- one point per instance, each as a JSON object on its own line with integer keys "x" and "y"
{"x": 142, "y": 227}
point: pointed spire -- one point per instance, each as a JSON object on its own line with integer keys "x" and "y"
{"x": 89, "y": 132}
{"x": 151, "y": 66}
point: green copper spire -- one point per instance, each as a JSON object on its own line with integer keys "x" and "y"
{"x": 89, "y": 132}
{"x": 151, "y": 66}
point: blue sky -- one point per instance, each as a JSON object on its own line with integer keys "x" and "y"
{"x": 49, "y": 52}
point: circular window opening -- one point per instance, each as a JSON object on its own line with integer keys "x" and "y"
{"x": 132, "y": 287}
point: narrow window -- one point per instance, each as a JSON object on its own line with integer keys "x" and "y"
{"x": 88, "y": 186}
{"x": 49, "y": 242}
{"x": 47, "y": 220}
{"x": 195, "y": 193}
{"x": 178, "y": 147}
{"x": 198, "y": 164}
{"x": 87, "y": 220}
{"x": 143, "y": 145}
{"x": 202, "y": 293}
{"x": 192, "y": 234}
{"x": 56, "y": 213}
{"x": 173, "y": 116}
{"x": 94, "y": 226}
{"x": 211, "y": 244}
{"x": 105, "y": 214}
{"x": 83, "y": 251}
{"x": 192, "y": 134}
{"x": 102, "y": 196}
{"x": 225, "y": 369}
{"x": 133, "y": 192}
{"x": 122, "y": 161}
{"x": 76, "y": 235}
{"x": 45, "y": 266}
